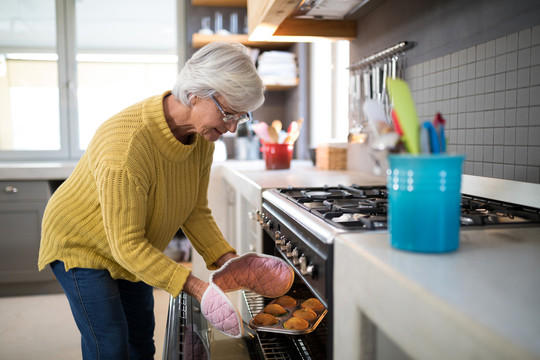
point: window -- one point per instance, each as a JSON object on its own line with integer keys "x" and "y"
{"x": 329, "y": 91}
{"x": 29, "y": 112}
{"x": 109, "y": 56}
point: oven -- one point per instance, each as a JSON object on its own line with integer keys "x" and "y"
{"x": 300, "y": 225}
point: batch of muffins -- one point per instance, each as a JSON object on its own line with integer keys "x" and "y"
{"x": 289, "y": 314}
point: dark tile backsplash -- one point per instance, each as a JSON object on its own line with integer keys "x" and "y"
{"x": 490, "y": 97}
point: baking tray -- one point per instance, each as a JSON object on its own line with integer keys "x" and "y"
{"x": 279, "y": 329}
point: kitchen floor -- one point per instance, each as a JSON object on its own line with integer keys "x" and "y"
{"x": 41, "y": 327}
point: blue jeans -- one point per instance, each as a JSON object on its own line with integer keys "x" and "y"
{"x": 115, "y": 317}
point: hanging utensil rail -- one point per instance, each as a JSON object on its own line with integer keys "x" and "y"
{"x": 399, "y": 47}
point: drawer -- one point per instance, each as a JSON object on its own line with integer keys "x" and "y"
{"x": 24, "y": 190}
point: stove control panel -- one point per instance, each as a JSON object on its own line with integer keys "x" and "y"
{"x": 292, "y": 241}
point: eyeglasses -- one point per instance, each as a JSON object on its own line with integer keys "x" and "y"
{"x": 240, "y": 119}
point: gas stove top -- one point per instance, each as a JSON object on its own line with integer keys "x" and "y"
{"x": 365, "y": 207}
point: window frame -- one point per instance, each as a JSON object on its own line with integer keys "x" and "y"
{"x": 66, "y": 50}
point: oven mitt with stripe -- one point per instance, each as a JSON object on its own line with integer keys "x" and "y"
{"x": 220, "y": 311}
{"x": 265, "y": 275}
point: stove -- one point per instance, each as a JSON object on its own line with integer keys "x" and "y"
{"x": 365, "y": 207}
{"x": 300, "y": 225}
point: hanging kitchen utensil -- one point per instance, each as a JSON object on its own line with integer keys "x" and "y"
{"x": 367, "y": 85}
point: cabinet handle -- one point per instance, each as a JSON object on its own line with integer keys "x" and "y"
{"x": 10, "y": 189}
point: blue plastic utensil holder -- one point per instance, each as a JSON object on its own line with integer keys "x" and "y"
{"x": 424, "y": 193}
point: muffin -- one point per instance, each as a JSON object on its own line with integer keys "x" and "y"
{"x": 295, "y": 323}
{"x": 275, "y": 309}
{"x": 313, "y": 304}
{"x": 285, "y": 301}
{"x": 305, "y": 313}
{"x": 265, "y": 319}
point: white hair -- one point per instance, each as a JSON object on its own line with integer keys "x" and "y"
{"x": 223, "y": 68}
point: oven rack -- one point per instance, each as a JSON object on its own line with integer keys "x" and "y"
{"x": 279, "y": 346}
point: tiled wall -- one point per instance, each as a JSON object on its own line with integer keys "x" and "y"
{"x": 490, "y": 97}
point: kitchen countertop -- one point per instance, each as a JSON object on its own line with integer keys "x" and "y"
{"x": 480, "y": 302}
{"x": 36, "y": 170}
{"x": 301, "y": 173}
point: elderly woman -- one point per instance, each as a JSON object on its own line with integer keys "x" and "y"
{"x": 144, "y": 175}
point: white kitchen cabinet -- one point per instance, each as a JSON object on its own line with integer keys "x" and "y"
{"x": 22, "y": 204}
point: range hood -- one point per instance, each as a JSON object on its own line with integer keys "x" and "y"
{"x": 303, "y": 20}
{"x": 328, "y": 9}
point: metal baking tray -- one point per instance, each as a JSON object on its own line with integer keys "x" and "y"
{"x": 278, "y": 328}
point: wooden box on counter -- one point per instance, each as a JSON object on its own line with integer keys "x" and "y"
{"x": 332, "y": 156}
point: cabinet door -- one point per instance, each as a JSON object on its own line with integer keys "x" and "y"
{"x": 20, "y": 230}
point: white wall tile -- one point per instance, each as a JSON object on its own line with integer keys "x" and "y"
{"x": 508, "y": 172}
{"x": 500, "y": 64}
{"x": 535, "y": 55}
{"x": 511, "y": 98}
{"x": 535, "y": 38}
{"x": 490, "y": 49}
{"x": 533, "y": 156}
{"x": 534, "y": 135}
{"x": 534, "y": 98}
{"x": 498, "y": 116}
{"x": 524, "y": 38}
{"x": 500, "y": 100}
{"x": 497, "y": 171}
{"x": 524, "y": 58}
{"x": 489, "y": 118}
{"x": 498, "y": 136}
{"x": 533, "y": 174}
{"x": 510, "y": 117}
{"x": 534, "y": 116}
{"x": 487, "y": 170}
{"x": 512, "y": 42}
{"x": 490, "y": 66}
{"x": 521, "y": 155}
{"x": 500, "y": 45}
{"x": 522, "y": 116}
{"x": 523, "y": 97}
{"x": 488, "y": 153}
{"x": 509, "y": 138}
{"x": 523, "y": 78}
{"x": 511, "y": 61}
{"x": 478, "y": 169}
{"x": 520, "y": 173}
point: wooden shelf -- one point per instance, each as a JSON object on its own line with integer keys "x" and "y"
{"x": 280, "y": 87}
{"x": 199, "y": 40}
{"x": 220, "y": 3}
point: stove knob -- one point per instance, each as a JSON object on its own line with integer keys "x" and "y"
{"x": 289, "y": 250}
{"x": 286, "y": 246}
{"x": 268, "y": 225}
{"x": 295, "y": 254}
{"x": 277, "y": 234}
{"x": 306, "y": 269}
{"x": 281, "y": 241}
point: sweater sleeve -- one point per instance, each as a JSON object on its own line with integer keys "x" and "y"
{"x": 201, "y": 228}
{"x": 123, "y": 204}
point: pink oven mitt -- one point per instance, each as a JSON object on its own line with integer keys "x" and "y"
{"x": 220, "y": 311}
{"x": 266, "y": 275}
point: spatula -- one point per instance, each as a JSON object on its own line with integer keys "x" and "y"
{"x": 406, "y": 111}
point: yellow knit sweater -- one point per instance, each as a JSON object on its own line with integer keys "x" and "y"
{"x": 134, "y": 187}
